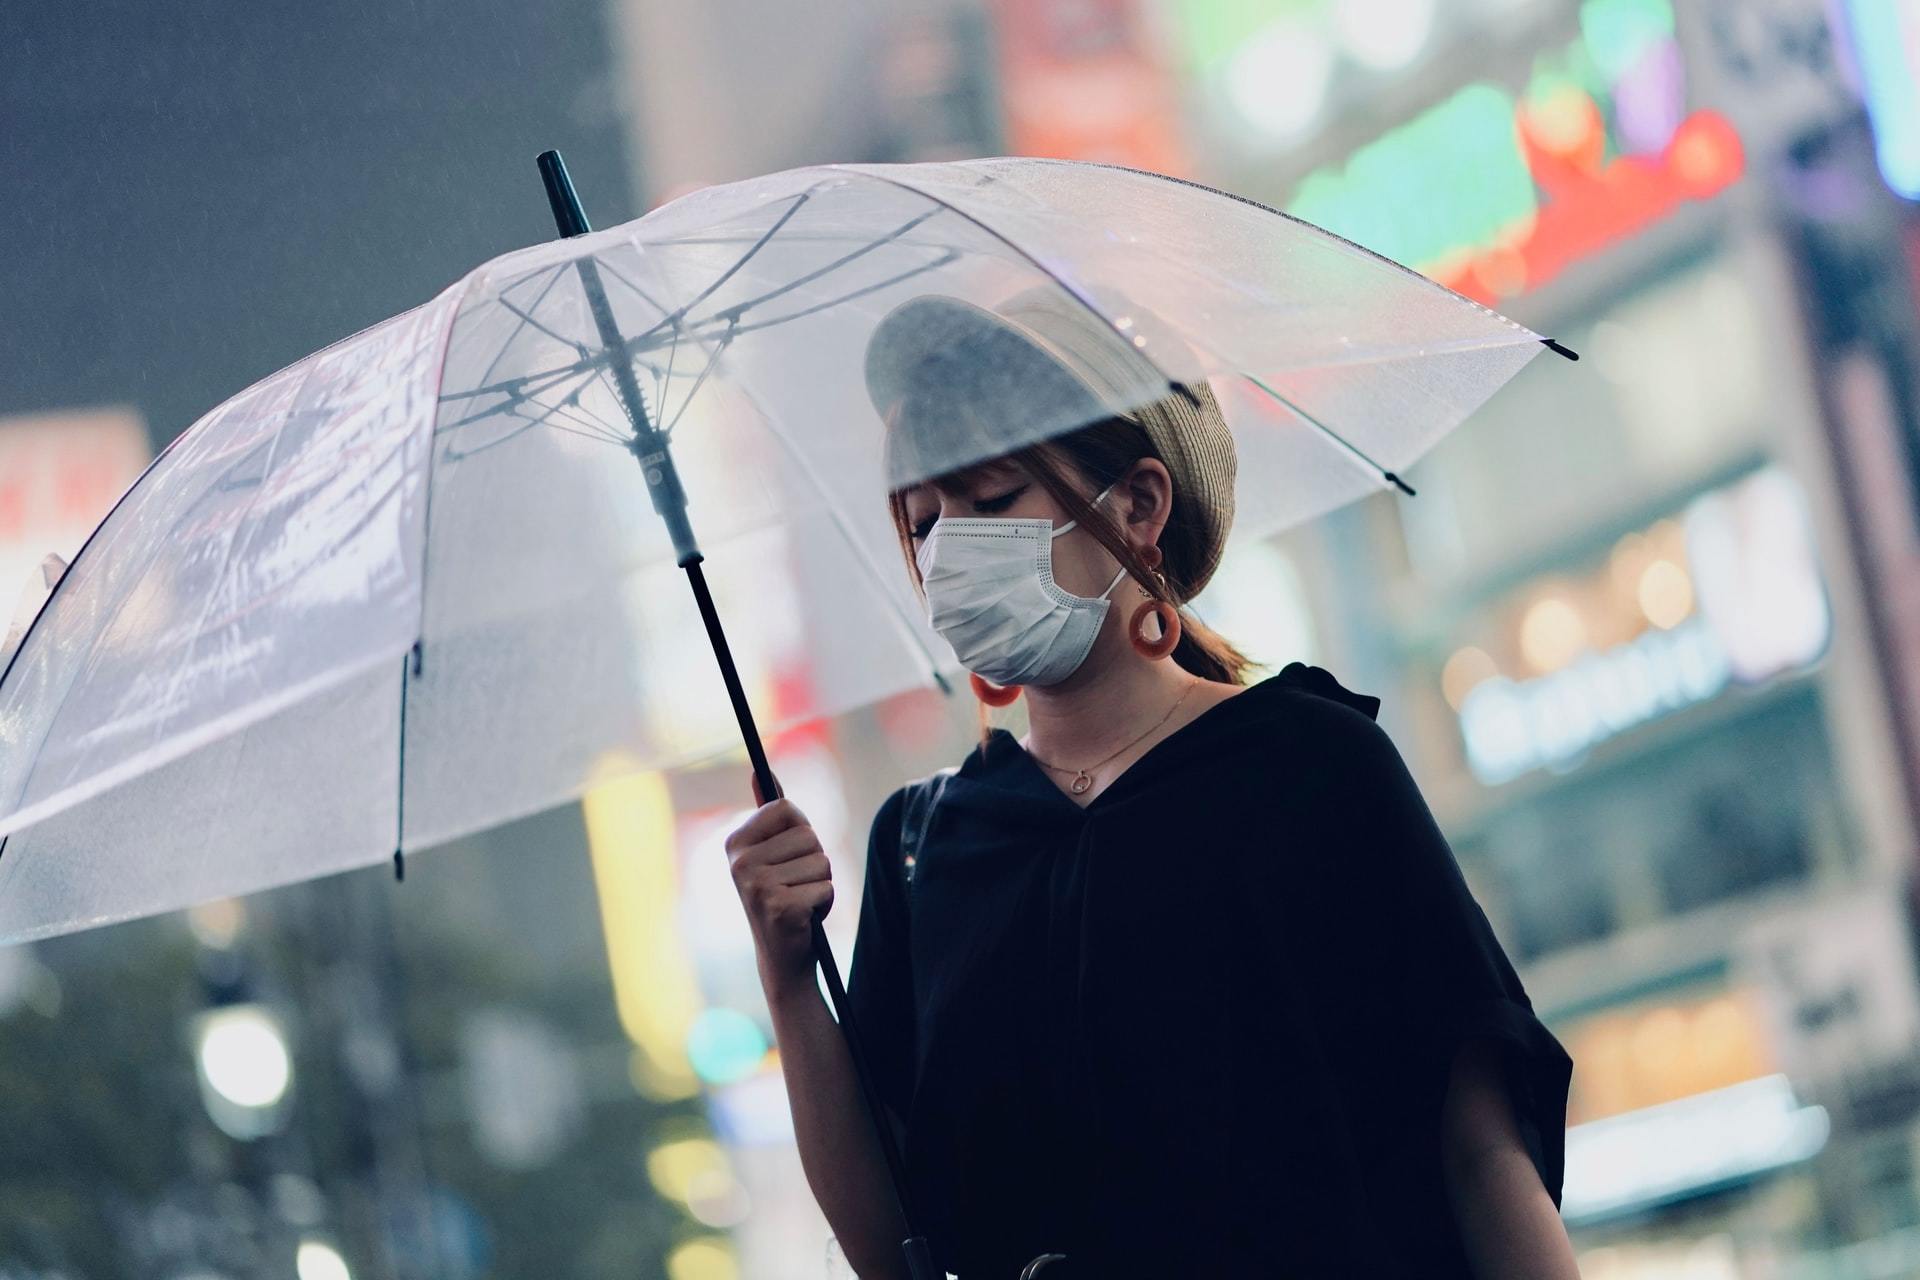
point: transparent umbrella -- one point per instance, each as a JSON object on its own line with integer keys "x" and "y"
{"x": 420, "y": 582}
{"x": 415, "y": 584}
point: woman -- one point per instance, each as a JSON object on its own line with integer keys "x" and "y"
{"x": 1185, "y": 981}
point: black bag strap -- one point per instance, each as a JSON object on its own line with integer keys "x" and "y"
{"x": 916, "y": 815}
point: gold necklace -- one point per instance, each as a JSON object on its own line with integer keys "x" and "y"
{"x": 1082, "y": 779}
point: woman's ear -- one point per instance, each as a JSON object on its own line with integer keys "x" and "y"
{"x": 1146, "y": 492}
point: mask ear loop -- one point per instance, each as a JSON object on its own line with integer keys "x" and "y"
{"x": 1118, "y": 574}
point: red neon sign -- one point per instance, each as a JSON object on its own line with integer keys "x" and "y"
{"x": 1587, "y": 205}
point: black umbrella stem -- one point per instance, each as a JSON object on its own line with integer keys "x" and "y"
{"x": 649, "y": 447}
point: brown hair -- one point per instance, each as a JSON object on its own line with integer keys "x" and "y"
{"x": 1102, "y": 451}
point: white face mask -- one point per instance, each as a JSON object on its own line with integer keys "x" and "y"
{"x": 991, "y": 594}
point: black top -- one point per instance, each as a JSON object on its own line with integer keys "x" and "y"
{"x": 1201, "y": 1027}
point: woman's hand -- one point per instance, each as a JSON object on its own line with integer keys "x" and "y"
{"x": 783, "y": 876}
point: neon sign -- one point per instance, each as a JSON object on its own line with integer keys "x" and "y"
{"x": 1492, "y": 195}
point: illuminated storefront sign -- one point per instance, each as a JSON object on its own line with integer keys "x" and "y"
{"x": 1513, "y": 726}
{"x": 1728, "y": 592}
{"x": 1492, "y": 195}
{"x": 1686, "y": 1147}
{"x": 1675, "y": 1096}
{"x": 1886, "y": 48}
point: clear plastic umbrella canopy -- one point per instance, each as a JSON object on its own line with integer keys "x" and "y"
{"x": 415, "y": 584}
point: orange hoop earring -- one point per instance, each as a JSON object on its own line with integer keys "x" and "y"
{"x": 1169, "y": 629}
{"x": 994, "y": 695}
{"x": 1169, "y": 616}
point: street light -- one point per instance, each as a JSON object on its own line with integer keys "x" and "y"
{"x": 245, "y": 1069}
{"x": 318, "y": 1260}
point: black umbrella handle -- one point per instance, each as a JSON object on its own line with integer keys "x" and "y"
{"x": 650, "y": 448}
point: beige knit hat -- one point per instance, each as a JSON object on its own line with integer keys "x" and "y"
{"x": 1029, "y": 340}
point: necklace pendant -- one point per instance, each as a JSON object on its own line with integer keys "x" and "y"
{"x": 1080, "y": 782}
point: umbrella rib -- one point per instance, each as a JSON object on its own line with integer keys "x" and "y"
{"x": 494, "y": 363}
{"x": 1458, "y": 346}
{"x": 587, "y": 425}
{"x": 1333, "y": 435}
{"x": 712, "y": 359}
{"x": 462, "y": 455}
{"x": 516, "y": 386}
{"x": 665, "y": 380}
{"x": 741, "y": 307}
{"x": 730, "y": 315}
{"x": 859, "y": 549}
{"x": 1554, "y": 346}
{"x": 490, "y": 411}
{"x": 663, "y": 383}
{"x": 531, "y": 423}
{"x": 922, "y": 269}
{"x": 621, "y": 276}
{"x": 595, "y": 436}
{"x": 793, "y": 237}
{"x": 579, "y": 348}
{"x": 673, "y": 318}
{"x": 735, "y": 328}
{"x": 1030, "y": 259}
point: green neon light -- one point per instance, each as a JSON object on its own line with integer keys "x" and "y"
{"x": 1453, "y": 176}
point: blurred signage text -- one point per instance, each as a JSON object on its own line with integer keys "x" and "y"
{"x": 1728, "y": 591}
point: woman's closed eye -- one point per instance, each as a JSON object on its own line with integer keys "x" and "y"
{"x": 986, "y": 506}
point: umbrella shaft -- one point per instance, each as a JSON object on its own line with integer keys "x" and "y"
{"x": 697, "y": 579}
{"x": 669, "y": 499}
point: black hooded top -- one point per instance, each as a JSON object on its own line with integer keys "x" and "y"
{"x": 1201, "y": 1027}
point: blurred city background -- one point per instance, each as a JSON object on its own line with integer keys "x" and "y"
{"x": 1649, "y": 637}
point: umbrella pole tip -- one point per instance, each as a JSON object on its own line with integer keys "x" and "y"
{"x": 1568, "y": 352}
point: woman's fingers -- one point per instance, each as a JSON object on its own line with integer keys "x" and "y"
{"x": 804, "y": 869}
{"x": 784, "y": 879}
{"x": 792, "y": 842}
{"x": 765, "y": 822}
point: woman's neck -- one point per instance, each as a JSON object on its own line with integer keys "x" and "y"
{"x": 1079, "y": 723}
